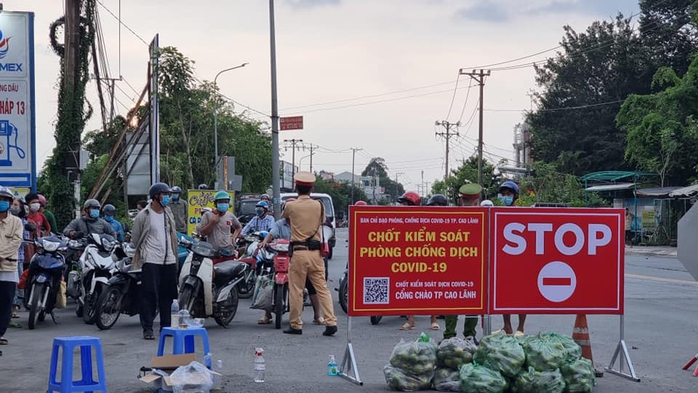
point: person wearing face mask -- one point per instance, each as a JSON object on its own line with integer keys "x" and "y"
{"x": 180, "y": 210}
{"x": 10, "y": 240}
{"x": 508, "y": 194}
{"x": 43, "y": 227}
{"x": 49, "y": 216}
{"x": 18, "y": 209}
{"x": 109, "y": 210}
{"x": 218, "y": 224}
{"x": 89, "y": 222}
{"x": 156, "y": 254}
{"x": 262, "y": 222}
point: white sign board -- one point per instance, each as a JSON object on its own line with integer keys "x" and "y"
{"x": 17, "y": 117}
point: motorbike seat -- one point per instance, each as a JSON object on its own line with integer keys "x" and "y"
{"x": 228, "y": 269}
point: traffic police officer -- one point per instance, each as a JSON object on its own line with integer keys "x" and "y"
{"x": 306, "y": 217}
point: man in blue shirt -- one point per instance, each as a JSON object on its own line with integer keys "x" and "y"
{"x": 109, "y": 210}
{"x": 262, "y": 222}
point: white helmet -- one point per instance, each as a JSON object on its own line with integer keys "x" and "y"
{"x": 487, "y": 203}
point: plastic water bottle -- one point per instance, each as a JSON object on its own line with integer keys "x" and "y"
{"x": 208, "y": 361}
{"x": 259, "y": 366}
{"x": 332, "y": 367}
{"x": 218, "y": 379}
{"x": 174, "y": 314}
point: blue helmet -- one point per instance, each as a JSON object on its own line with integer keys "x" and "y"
{"x": 511, "y": 186}
{"x": 263, "y": 204}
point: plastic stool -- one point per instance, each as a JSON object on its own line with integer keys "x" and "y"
{"x": 67, "y": 384}
{"x": 183, "y": 340}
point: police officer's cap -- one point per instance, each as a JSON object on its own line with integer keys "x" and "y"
{"x": 470, "y": 191}
{"x": 304, "y": 179}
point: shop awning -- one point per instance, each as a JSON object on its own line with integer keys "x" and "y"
{"x": 659, "y": 192}
{"x": 685, "y": 192}
{"x": 611, "y": 187}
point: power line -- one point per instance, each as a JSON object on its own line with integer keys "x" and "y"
{"x": 470, "y": 85}
{"x": 453, "y": 99}
{"x": 122, "y": 23}
{"x": 568, "y": 108}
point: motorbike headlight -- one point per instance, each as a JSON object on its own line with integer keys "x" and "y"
{"x": 108, "y": 245}
{"x": 51, "y": 246}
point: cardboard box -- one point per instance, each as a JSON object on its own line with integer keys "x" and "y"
{"x": 162, "y": 367}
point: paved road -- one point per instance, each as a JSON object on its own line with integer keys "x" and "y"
{"x": 660, "y": 318}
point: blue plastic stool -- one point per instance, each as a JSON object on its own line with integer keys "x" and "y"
{"x": 183, "y": 340}
{"x": 67, "y": 384}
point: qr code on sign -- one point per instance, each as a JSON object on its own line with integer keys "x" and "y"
{"x": 376, "y": 290}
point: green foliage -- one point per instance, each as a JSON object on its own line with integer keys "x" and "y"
{"x": 547, "y": 184}
{"x": 378, "y": 167}
{"x": 662, "y": 134}
{"x": 340, "y": 193}
{"x": 467, "y": 173}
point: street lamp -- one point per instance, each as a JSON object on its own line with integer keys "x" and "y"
{"x": 215, "y": 114}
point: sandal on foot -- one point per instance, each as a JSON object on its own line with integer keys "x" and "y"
{"x": 148, "y": 336}
{"x": 406, "y": 326}
{"x": 3, "y": 341}
{"x": 264, "y": 321}
{"x": 519, "y": 333}
{"x": 435, "y": 326}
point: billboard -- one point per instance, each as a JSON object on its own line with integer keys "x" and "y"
{"x": 417, "y": 260}
{"x": 17, "y": 110}
{"x": 291, "y": 123}
{"x": 557, "y": 261}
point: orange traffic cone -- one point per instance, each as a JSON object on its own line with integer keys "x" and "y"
{"x": 580, "y": 335}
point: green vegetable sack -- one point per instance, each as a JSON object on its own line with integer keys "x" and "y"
{"x": 545, "y": 352}
{"x": 533, "y": 381}
{"x": 446, "y": 380}
{"x": 579, "y": 376}
{"x": 574, "y": 351}
{"x": 398, "y": 379}
{"x": 502, "y": 352}
{"x": 475, "y": 378}
{"x": 455, "y": 352}
{"x": 418, "y": 358}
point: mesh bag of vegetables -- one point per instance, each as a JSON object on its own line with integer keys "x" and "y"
{"x": 417, "y": 358}
{"x": 574, "y": 351}
{"x": 455, "y": 352}
{"x": 545, "y": 352}
{"x": 398, "y": 379}
{"x": 533, "y": 381}
{"x": 475, "y": 378}
{"x": 579, "y": 375}
{"x": 446, "y": 380}
{"x": 502, "y": 352}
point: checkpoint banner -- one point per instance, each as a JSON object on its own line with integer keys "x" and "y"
{"x": 196, "y": 201}
{"x": 417, "y": 260}
{"x": 557, "y": 261}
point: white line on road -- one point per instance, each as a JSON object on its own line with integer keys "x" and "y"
{"x": 643, "y": 277}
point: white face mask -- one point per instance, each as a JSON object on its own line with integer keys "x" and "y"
{"x": 34, "y": 207}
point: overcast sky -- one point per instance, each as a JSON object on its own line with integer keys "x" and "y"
{"x": 337, "y": 50}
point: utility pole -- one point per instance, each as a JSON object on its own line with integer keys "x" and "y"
{"x": 422, "y": 185}
{"x": 397, "y": 189}
{"x": 294, "y": 143}
{"x": 311, "y": 147}
{"x": 447, "y": 135}
{"x": 275, "y": 180}
{"x": 353, "y": 156}
{"x": 479, "y": 78}
{"x": 71, "y": 66}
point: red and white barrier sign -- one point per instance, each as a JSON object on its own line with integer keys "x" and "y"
{"x": 556, "y": 261}
{"x": 417, "y": 260}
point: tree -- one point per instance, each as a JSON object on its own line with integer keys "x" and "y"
{"x": 546, "y": 184}
{"x": 467, "y": 172}
{"x": 662, "y": 132}
{"x": 340, "y": 193}
{"x": 378, "y": 168}
{"x": 668, "y": 31}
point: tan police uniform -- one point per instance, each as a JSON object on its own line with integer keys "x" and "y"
{"x": 306, "y": 217}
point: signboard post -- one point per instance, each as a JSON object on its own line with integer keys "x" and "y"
{"x": 291, "y": 123}
{"x": 17, "y": 114}
{"x": 417, "y": 261}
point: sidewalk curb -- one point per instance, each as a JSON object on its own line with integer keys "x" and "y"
{"x": 653, "y": 251}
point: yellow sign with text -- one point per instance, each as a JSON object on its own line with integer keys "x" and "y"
{"x": 197, "y": 200}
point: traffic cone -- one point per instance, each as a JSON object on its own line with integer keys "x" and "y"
{"x": 580, "y": 335}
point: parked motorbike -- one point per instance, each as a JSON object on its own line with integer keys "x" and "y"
{"x": 72, "y": 277}
{"x": 97, "y": 267}
{"x": 182, "y": 251}
{"x": 122, "y": 293}
{"x": 249, "y": 244}
{"x": 208, "y": 290}
{"x": 44, "y": 278}
{"x": 343, "y": 290}
{"x": 281, "y": 265}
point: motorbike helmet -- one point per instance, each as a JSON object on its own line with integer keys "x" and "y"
{"x": 6, "y": 192}
{"x": 411, "y": 197}
{"x": 109, "y": 209}
{"x": 202, "y": 186}
{"x": 262, "y": 204}
{"x": 360, "y": 203}
{"x": 487, "y": 203}
{"x": 437, "y": 200}
{"x": 510, "y": 185}
{"x": 42, "y": 200}
{"x": 157, "y": 189}
{"x": 265, "y": 197}
{"x": 91, "y": 203}
{"x": 176, "y": 190}
{"x": 221, "y": 195}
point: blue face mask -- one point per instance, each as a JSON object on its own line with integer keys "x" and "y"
{"x": 507, "y": 200}
{"x": 165, "y": 200}
{"x": 94, "y": 213}
{"x": 4, "y": 206}
{"x": 109, "y": 218}
{"x": 223, "y": 207}
{"x": 260, "y": 212}
{"x": 175, "y": 197}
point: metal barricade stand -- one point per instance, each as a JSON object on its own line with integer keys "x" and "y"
{"x": 348, "y": 369}
{"x": 623, "y": 356}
